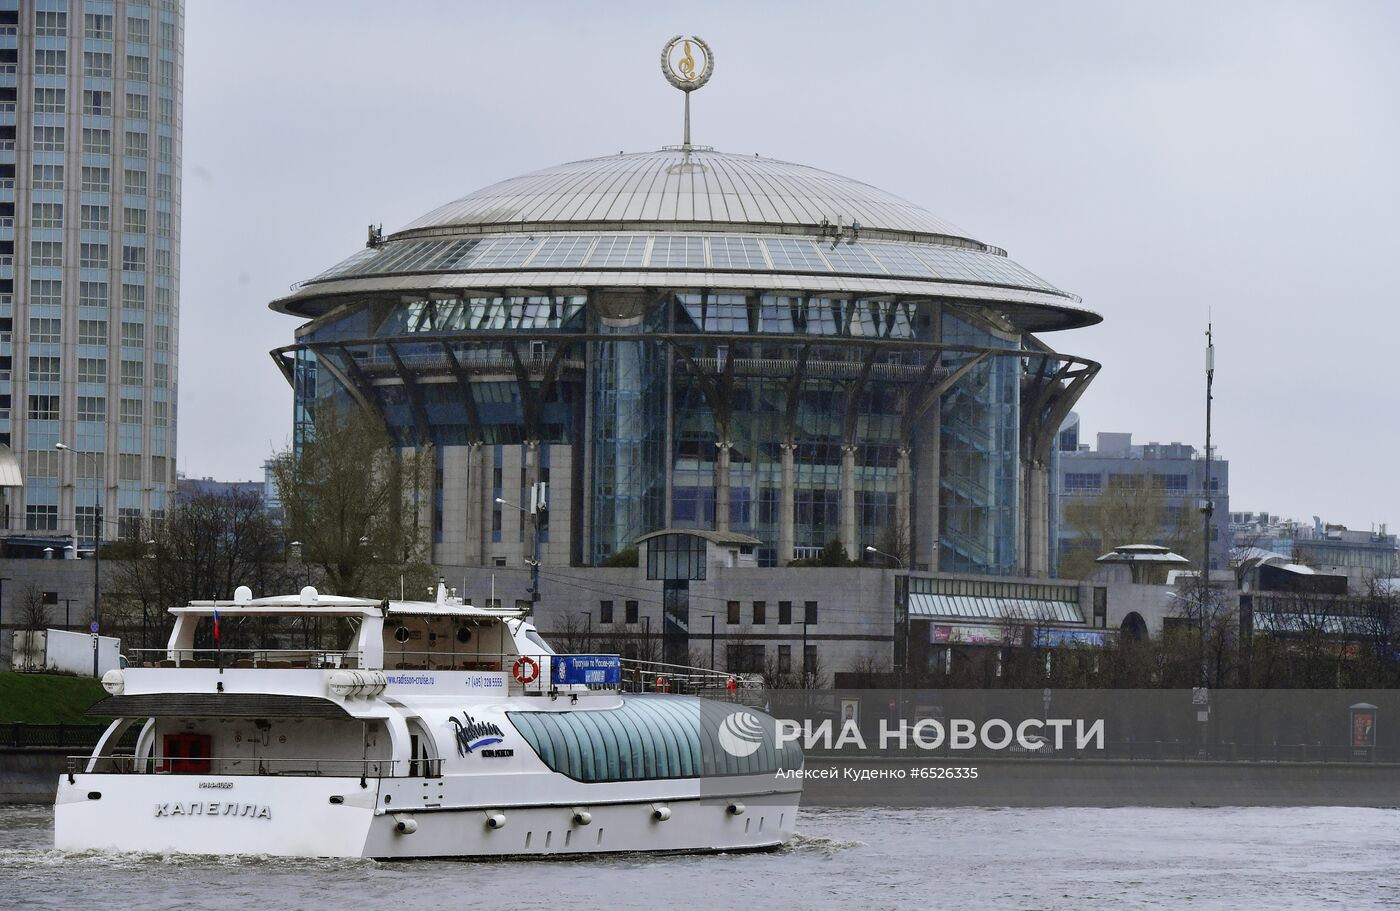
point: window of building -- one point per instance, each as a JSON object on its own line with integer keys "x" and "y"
{"x": 44, "y": 369}
{"x": 38, "y": 517}
{"x": 97, "y": 180}
{"x": 47, "y": 215}
{"x": 676, "y": 556}
{"x": 43, "y": 407}
{"x": 45, "y": 253}
{"x": 131, "y": 412}
{"x": 50, "y": 62}
{"x": 163, "y": 186}
{"x": 129, "y": 519}
{"x": 1172, "y": 482}
{"x": 160, "y": 375}
{"x": 167, "y": 110}
{"x": 133, "y": 297}
{"x": 97, "y": 25}
{"x": 784, "y": 612}
{"x": 138, "y": 107}
{"x": 133, "y": 373}
{"x": 134, "y": 182}
{"x": 51, "y": 24}
{"x": 92, "y": 408}
{"x": 733, "y": 613}
{"x": 137, "y": 144}
{"x": 92, "y": 294}
{"x": 44, "y": 331}
{"x": 161, "y": 336}
{"x": 632, "y": 608}
{"x": 159, "y": 414}
{"x": 92, "y": 256}
{"x": 760, "y": 612}
{"x": 97, "y": 142}
{"x": 95, "y": 218}
{"x": 92, "y": 370}
{"x": 92, "y": 332}
{"x": 605, "y": 612}
{"x": 138, "y": 30}
{"x": 785, "y": 659}
{"x": 98, "y": 64}
{"x": 1083, "y": 480}
{"x": 809, "y": 659}
{"x": 45, "y": 292}
{"x": 48, "y": 177}
{"x": 133, "y": 335}
{"x": 133, "y": 258}
{"x": 810, "y": 613}
{"x": 50, "y": 101}
{"x": 138, "y": 68}
{"x": 167, "y": 33}
{"x": 48, "y": 139}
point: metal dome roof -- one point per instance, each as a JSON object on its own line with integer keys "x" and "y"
{"x": 696, "y": 187}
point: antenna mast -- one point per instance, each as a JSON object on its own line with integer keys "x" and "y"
{"x": 1208, "y": 501}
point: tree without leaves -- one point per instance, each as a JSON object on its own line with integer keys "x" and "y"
{"x": 203, "y": 551}
{"x": 357, "y": 505}
{"x": 1131, "y": 509}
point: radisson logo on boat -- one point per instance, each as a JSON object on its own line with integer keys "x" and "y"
{"x": 741, "y": 734}
{"x": 475, "y": 734}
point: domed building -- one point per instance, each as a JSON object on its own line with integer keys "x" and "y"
{"x": 689, "y": 339}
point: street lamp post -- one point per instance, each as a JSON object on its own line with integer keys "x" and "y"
{"x": 534, "y": 560}
{"x": 904, "y": 665}
{"x": 97, "y": 538}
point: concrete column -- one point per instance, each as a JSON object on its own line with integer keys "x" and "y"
{"x": 902, "y": 493}
{"x": 722, "y": 485}
{"x": 787, "y": 504}
{"x": 1038, "y": 519}
{"x": 848, "y": 501}
{"x": 472, "y": 502}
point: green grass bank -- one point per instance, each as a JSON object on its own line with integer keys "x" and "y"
{"x": 48, "y": 698}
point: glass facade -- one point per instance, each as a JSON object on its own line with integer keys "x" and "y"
{"x": 978, "y": 481}
{"x": 90, "y": 140}
{"x": 765, "y": 372}
{"x": 655, "y": 391}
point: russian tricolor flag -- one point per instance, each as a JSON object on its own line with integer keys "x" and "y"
{"x": 216, "y": 624}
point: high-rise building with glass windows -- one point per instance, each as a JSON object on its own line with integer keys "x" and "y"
{"x": 688, "y": 339}
{"x": 90, "y": 112}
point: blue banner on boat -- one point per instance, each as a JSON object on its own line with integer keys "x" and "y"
{"x": 593, "y": 670}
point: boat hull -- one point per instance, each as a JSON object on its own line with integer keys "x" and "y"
{"x": 336, "y": 817}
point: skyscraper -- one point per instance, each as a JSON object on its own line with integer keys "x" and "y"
{"x": 90, "y": 114}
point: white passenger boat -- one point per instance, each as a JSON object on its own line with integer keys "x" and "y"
{"x": 442, "y": 730}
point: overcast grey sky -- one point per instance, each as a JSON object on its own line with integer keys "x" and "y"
{"x": 1162, "y": 160}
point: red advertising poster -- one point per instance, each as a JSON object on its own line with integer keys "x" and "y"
{"x": 1363, "y": 729}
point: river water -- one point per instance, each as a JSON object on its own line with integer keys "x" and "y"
{"x": 965, "y": 859}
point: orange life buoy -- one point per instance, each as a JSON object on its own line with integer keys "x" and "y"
{"x": 662, "y": 686}
{"x": 526, "y": 669}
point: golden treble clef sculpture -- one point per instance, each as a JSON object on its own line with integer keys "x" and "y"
{"x": 687, "y": 64}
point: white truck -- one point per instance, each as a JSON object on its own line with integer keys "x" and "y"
{"x": 64, "y": 651}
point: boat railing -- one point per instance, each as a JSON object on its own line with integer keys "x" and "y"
{"x": 268, "y": 658}
{"x": 640, "y": 676}
{"x": 129, "y": 764}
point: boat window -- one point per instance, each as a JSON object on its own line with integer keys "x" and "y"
{"x": 649, "y": 737}
{"x": 534, "y": 638}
